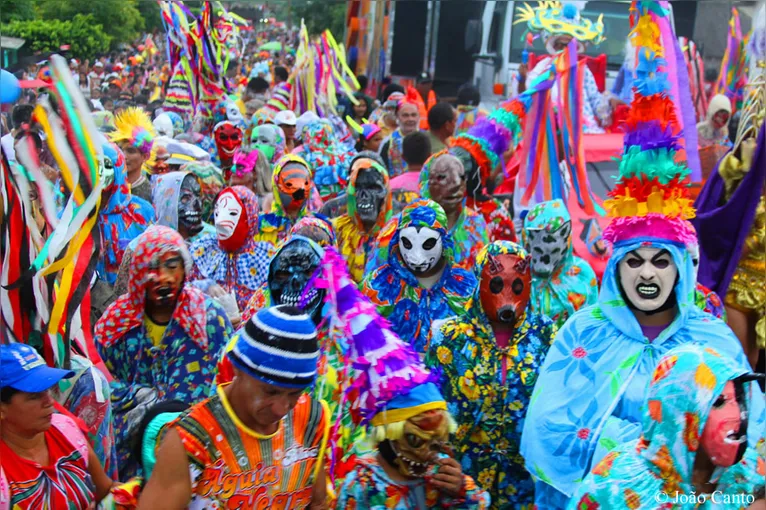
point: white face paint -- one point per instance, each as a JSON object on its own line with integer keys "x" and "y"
{"x": 227, "y": 213}
{"x": 421, "y": 249}
{"x": 647, "y": 276}
{"x": 548, "y": 248}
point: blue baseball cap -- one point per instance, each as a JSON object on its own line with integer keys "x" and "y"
{"x": 23, "y": 369}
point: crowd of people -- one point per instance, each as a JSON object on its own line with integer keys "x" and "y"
{"x": 233, "y": 279}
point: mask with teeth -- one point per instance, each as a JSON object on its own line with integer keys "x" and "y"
{"x": 228, "y": 138}
{"x": 289, "y": 273}
{"x": 189, "y": 207}
{"x": 423, "y": 437}
{"x": 165, "y": 280}
{"x": 647, "y": 277}
{"x": 504, "y": 286}
{"x": 421, "y": 248}
{"x": 370, "y": 194}
{"x": 548, "y": 246}
{"x": 724, "y": 437}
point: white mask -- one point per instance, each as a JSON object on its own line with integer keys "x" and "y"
{"x": 421, "y": 248}
{"x": 647, "y": 276}
{"x": 233, "y": 114}
{"x": 227, "y": 213}
{"x": 548, "y": 248}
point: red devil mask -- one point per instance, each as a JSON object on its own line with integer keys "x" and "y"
{"x": 505, "y": 286}
{"x": 228, "y": 138}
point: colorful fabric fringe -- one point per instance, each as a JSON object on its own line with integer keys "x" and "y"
{"x": 732, "y": 77}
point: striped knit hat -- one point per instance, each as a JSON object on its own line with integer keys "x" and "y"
{"x": 278, "y": 346}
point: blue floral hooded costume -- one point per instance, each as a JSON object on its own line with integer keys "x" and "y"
{"x": 401, "y": 299}
{"x": 573, "y": 284}
{"x": 595, "y": 376}
{"x": 122, "y": 219}
{"x": 680, "y": 396}
{"x": 489, "y": 411}
{"x": 469, "y": 234}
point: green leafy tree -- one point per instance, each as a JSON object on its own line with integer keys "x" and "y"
{"x": 85, "y": 38}
{"x": 320, "y": 15}
{"x": 13, "y": 10}
{"x": 120, "y": 19}
{"x": 150, "y": 13}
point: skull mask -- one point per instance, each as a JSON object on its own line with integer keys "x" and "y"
{"x": 504, "y": 286}
{"x": 423, "y": 437}
{"x": 370, "y": 195}
{"x": 289, "y": 273}
{"x": 190, "y": 207}
{"x": 106, "y": 171}
{"x": 421, "y": 248}
{"x": 548, "y": 246}
{"x": 228, "y": 138}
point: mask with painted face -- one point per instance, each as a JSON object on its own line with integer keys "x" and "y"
{"x": 724, "y": 438}
{"x": 190, "y": 207}
{"x": 421, "y": 248}
{"x": 294, "y": 187}
{"x": 504, "y": 286}
{"x": 289, "y": 273}
{"x": 264, "y": 138}
{"x": 647, "y": 277}
{"x": 424, "y": 436}
{"x": 473, "y": 179}
{"x": 106, "y": 171}
{"x": 165, "y": 279}
{"x": 228, "y": 138}
{"x": 446, "y": 182}
{"x": 548, "y": 246}
{"x": 370, "y": 194}
{"x": 230, "y": 221}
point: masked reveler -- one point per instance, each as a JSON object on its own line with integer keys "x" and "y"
{"x": 392, "y": 393}
{"x": 695, "y": 430}
{"x": 161, "y": 339}
{"x": 232, "y": 259}
{"x": 252, "y": 170}
{"x": 211, "y": 183}
{"x": 368, "y": 202}
{"x": 318, "y": 230}
{"x": 292, "y": 186}
{"x": 294, "y": 279}
{"x": 228, "y": 138}
{"x": 420, "y": 283}
{"x": 135, "y": 137}
{"x": 270, "y": 140}
{"x": 178, "y": 206}
{"x": 591, "y": 388}
{"x": 558, "y": 24}
{"x": 122, "y": 217}
{"x": 562, "y": 283}
{"x": 261, "y": 435}
{"x": 442, "y": 179}
{"x": 488, "y": 359}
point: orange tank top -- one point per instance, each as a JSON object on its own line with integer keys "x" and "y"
{"x": 232, "y": 466}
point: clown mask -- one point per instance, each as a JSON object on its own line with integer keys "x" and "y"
{"x": 228, "y": 138}
{"x": 294, "y": 187}
{"x": 289, "y": 274}
{"x": 189, "y": 207}
{"x": 423, "y": 437}
{"x": 230, "y": 221}
{"x": 548, "y": 246}
{"x": 647, "y": 277}
{"x": 504, "y": 287}
{"x": 165, "y": 280}
{"x": 421, "y": 248}
{"x": 724, "y": 438}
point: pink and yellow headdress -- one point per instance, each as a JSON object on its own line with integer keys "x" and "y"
{"x": 134, "y": 127}
{"x": 651, "y": 198}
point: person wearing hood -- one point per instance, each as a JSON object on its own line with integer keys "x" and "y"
{"x": 369, "y": 208}
{"x": 326, "y": 156}
{"x": 488, "y": 358}
{"x": 178, "y": 206}
{"x": 715, "y": 128}
{"x": 292, "y": 185}
{"x": 317, "y": 229}
{"x": 232, "y": 258}
{"x": 591, "y": 388}
{"x": 270, "y": 140}
{"x": 122, "y": 217}
{"x": 562, "y": 283}
{"x": 694, "y": 450}
{"x": 160, "y": 339}
{"x": 443, "y": 180}
{"x": 421, "y": 283}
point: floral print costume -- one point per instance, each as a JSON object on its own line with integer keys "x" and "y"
{"x": 181, "y": 368}
{"x": 327, "y": 156}
{"x": 591, "y": 388}
{"x": 681, "y": 393}
{"x": 487, "y": 389}
{"x": 399, "y": 297}
{"x": 499, "y": 222}
{"x": 368, "y": 487}
{"x": 242, "y": 271}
